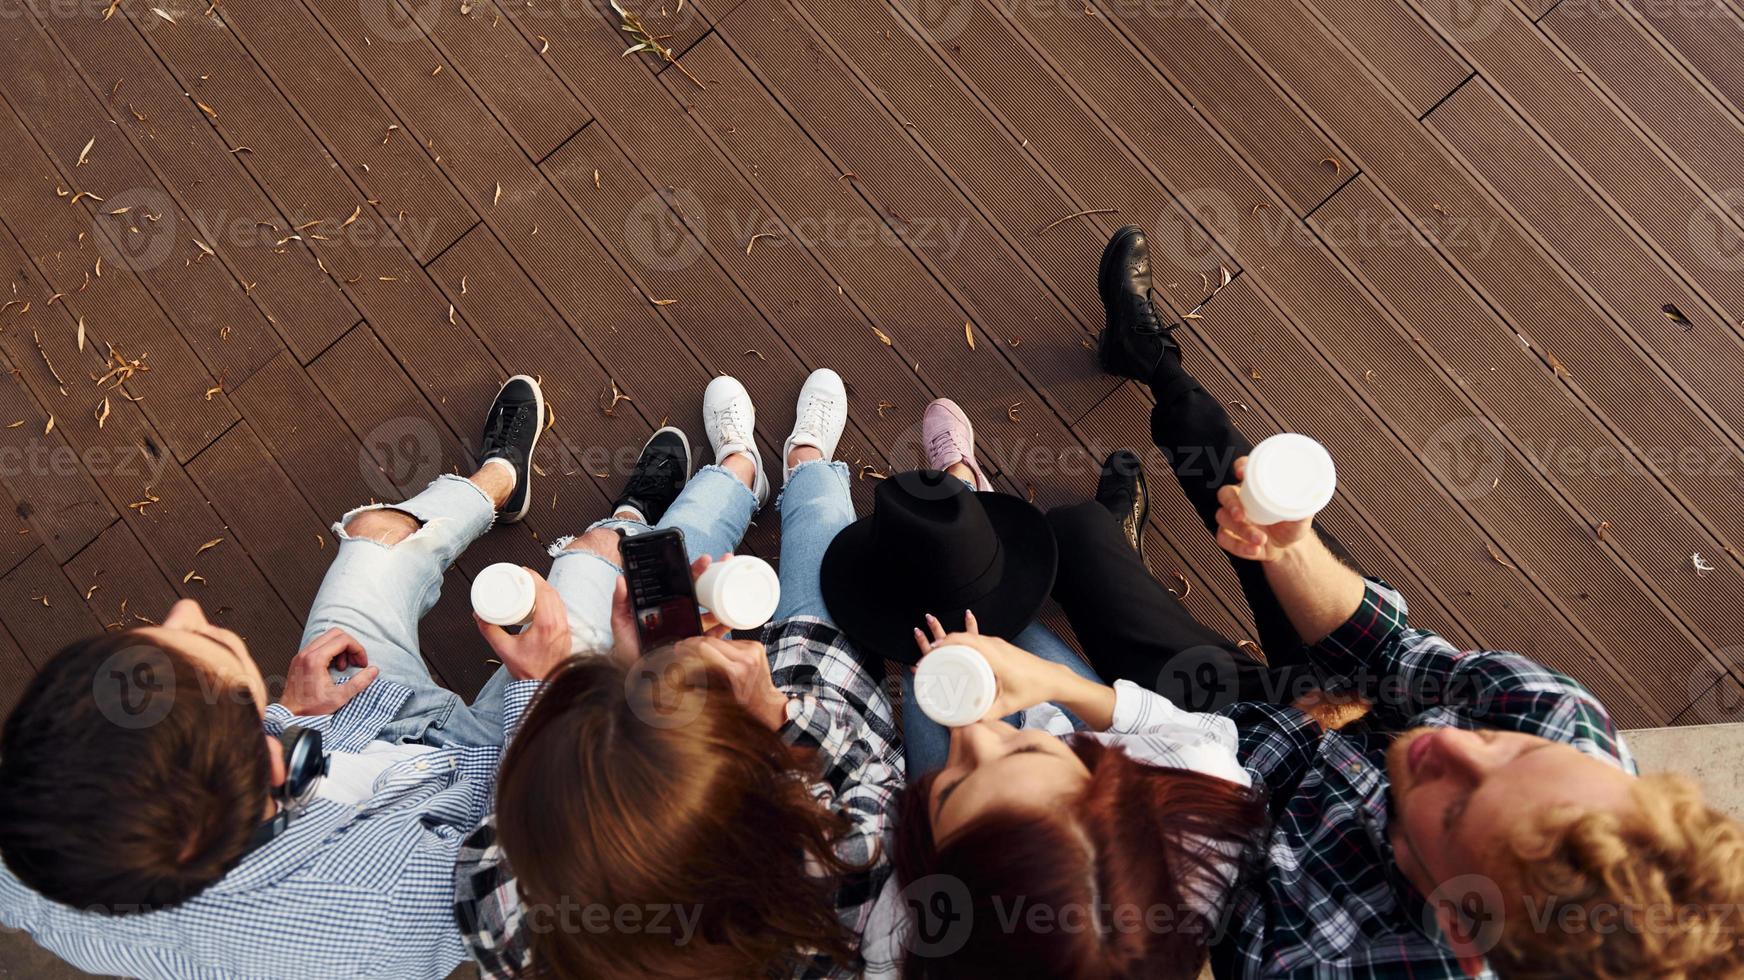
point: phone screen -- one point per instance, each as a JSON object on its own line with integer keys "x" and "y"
{"x": 661, "y": 591}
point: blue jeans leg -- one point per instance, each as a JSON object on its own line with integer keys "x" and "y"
{"x": 379, "y": 592}
{"x": 714, "y": 510}
{"x": 926, "y": 743}
{"x": 815, "y": 506}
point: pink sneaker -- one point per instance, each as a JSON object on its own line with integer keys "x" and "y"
{"x": 950, "y": 439}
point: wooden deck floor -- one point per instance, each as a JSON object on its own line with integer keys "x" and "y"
{"x": 1491, "y": 253}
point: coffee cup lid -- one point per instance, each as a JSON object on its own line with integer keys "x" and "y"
{"x": 955, "y": 686}
{"x": 503, "y": 594}
{"x": 747, "y": 593}
{"x": 1291, "y": 475}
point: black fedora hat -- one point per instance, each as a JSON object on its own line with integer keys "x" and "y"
{"x": 932, "y": 545}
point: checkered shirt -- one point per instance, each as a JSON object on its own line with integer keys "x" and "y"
{"x": 1330, "y": 901}
{"x": 838, "y": 707}
{"x": 345, "y": 891}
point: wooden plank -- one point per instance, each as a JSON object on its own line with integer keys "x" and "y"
{"x": 505, "y": 71}
{"x": 115, "y": 306}
{"x": 264, "y": 516}
{"x": 15, "y": 673}
{"x": 118, "y": 581}
{"x": 1702, "y": 132}
{"x": 1565, "y": 106}
{"x": 293, "y": 420}
{"x": 344, "y": 148}
{"x": 201, "y": 294}
{"x": 210, "y": 189}
{"x": 41, "y": 609}
{"x": 1416, "y": 63}
{"x": 47, "y": 486}
{"x": 1707, "y": 34}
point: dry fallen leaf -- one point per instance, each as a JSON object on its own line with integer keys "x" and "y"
{"x": 85, "y": 154}
{"x": 1496, "y": 556}
{"x": 1676, "y": 316}
{"x": 969, "y": 334}
{"x": 883, "y": 337}
{"x": 208, "y": 546}
{"x": 1701, "y": 565}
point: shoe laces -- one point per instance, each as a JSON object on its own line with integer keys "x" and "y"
{"x": 732, "y": 425}
{"x": 506, "y": 427}
{"x": 945, "y": 443}
{"x": 814, "y": 414}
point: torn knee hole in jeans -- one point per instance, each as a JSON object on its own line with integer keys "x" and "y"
{"x": 382, "y": 531}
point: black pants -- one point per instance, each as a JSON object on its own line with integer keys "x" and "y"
{"x": 1131, "y": 627}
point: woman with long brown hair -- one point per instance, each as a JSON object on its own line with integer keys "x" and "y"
{"x": 717, "y": 808}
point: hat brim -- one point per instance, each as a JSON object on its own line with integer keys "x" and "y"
{"x": 880, "y": 616}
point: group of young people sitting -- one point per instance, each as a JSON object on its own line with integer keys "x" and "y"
{"x": 1352, "y": 797}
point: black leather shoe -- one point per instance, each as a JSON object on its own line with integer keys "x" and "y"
{"x": 1122, "y": 489}
{"x": 1134, "y": 341}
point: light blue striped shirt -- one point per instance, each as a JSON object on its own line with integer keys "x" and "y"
{"x": 346, "y": 891}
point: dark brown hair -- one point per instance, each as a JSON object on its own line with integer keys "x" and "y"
{"x": 631, "y": 789}
{"x": 130, "y": 778}
{"x": 1102, "y": 888}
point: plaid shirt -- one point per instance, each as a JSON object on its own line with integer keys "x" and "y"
{"x": 838, "y": 707}
{"x": 1330, "y": 901}
{"x": 345, "y": 891}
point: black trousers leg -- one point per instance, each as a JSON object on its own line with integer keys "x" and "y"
{"x": 1133, "y": 629}
{"x": 1195, "y": 434}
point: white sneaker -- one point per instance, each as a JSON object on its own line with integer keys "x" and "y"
{"x": 820, "y": 418}
{"x": 730, "y": 420}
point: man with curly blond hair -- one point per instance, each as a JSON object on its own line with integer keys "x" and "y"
{"x": 1484, "y": 819}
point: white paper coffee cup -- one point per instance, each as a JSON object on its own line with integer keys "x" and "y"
{"x": 1290, "y": 477}
{"x": 955, "y": 686}
{"x": 503, "y": 594}
{"x": 741, "y": 591}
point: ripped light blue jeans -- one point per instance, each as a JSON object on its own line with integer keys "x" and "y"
{"x": 378, "y": 593}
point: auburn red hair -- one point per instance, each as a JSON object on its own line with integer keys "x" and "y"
{"x": 652, "y": 786}
{"x": 1114, "y": 872}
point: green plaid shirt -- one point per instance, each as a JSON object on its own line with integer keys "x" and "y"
{"x": 1329, "y": 900}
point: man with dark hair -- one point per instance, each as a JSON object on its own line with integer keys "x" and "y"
{"x": 158, "y": 818}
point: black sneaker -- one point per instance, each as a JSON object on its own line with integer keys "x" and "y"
{"x": 1122, "y": 489}
{"x": 661, "y": 472}
{"x": 1134, "y": 341}
{"x": 511, "y": 430}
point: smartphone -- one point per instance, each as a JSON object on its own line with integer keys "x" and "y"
{"x": 662, "y": 594}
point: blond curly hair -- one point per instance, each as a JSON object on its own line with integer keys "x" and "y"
{"x": 1657, "y": 892}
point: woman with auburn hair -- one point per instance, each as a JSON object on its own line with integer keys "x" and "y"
{"x": 716, "y": 808}
{"x": 1036, "y": 851}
